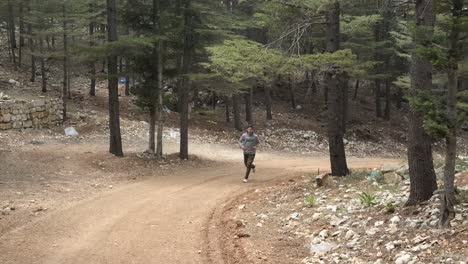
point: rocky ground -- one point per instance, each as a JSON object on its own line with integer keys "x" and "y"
{"x": 298, "y": 222}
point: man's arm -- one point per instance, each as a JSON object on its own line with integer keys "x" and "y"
{"x": 241, "y": 142}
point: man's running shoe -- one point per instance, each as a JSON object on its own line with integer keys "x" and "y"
{"x": 245, "y": 180}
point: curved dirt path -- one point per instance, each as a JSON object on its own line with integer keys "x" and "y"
{"x": 160, "y": 220}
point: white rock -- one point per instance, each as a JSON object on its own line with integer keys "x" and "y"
{"x": 322, "y": 247}
{"x": 389, "y": 247}
{"x": 242, "y": 207}
{"x": 262, "y": 216}
{"x": 71, "y": 132}
{"x": 259, "y": 225}
{"x": 350, "y": 234}
{"x": 372, "y": 231}
{"x": 378, "y": 223}
{"x": 332, "y": 208}
{"x": 323, "y": 234}
{"x": 294, "y": 216}
{"x": 403, "y": 259}
{"x": 316, "y": 216}
{"x": 395, "y": 219}
{"x": 335, "y": 221}
{"x": 392, "y": 229}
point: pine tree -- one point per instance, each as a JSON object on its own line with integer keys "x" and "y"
{"x": 114, "y": 116}
{"x": 420, "y": 161}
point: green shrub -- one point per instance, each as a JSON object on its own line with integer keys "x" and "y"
{"x": 310, "y": 201}
{"x": 390, "y": 208}
{"x": 368, "y": 199}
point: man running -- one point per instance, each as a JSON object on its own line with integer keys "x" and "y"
{"x": 249, "y": 142}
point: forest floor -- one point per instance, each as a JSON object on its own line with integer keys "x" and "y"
{"x": 66, "y": 200}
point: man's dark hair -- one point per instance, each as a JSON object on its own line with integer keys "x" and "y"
{"x": 250, "y": 126}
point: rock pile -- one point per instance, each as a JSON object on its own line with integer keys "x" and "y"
{"x": 18, "y": 114}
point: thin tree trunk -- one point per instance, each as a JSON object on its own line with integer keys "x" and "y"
{"x": 65, "y": 63}
{"x": 214, "y": 100}
{"x": 291, "y": 93}
{"x": 249, "y": 106}
{"x": 344, "y": 83}
{"x": 421, "y": 167}
{"x": 448, "y": 197}
{"x": 160, "y": 117}
{"x": 127, "y": 69}
{"x": 115, "y": 146}
{"x": 228, "y": 116}
{"x": 22, "y": 32}
{"x": 152, "y": 129}
{"x": 32, "y": 48}
{"x": 378, "y": 104}
{"x": 43, "y": 70}
{"x": 186, "y": 83}
{"x": 356, "y": 88}
{"x": 127, "y": 78}
{"x": 236, "y": 110}
{"x": 92, "y": 65}
{"x": 10, "y": 58}
{"x": 12, "y": 30}
{"x": 388, "y": 100}
{"x": 267, "y": 89}
{"x": 47, "y": 39}
{"x": 399, "y": 98}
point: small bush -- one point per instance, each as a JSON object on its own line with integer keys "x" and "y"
{"x": 390, "y": 208}
{"x": 368, "y": 199}
{"x": 310, "y": 201}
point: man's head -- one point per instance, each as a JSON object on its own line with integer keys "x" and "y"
{"x": 250, "y": 130}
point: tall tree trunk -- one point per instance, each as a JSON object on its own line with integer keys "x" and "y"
{"x": 43, "y": 70}
{"x": 344, "y": 87}
{"x": 356, "y": 88}
{"x": 448, "y": 197}
{"x": 399, "y": 98}
{"x": 249, "y": 106}
{"x": 121, "y": 64}
{"x": 65, "y": 63}
{"x": 291, "y": 93}
{"x": 47, "y": 40}
{"x": 127, "y": 78}
{"x": 152, "y": 129}
{"x": 115, "y": 146}
{"x": 267, "y": 89}
{"x": 227, "y": 113}
{"x": 22, "y": 32}
{"x": 236, "y": 110}
{"x": 388, "y": 99}
{"x": 186, "y": 84}
{"x": 92, "y": 65}
{"x": 335, "y": 80}
{"x": 31, "y": 47}
{"x": 12, "y": 31}
{"x": 214, "y": 100}
{"x": 160, "y": 117}
{"x": 104, "y": 61}
{"x": 127, "y": 68}
{"x": 378, "y": 102}
{"x": 421, "y": 167}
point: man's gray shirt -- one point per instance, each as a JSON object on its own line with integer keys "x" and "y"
{"x": 249, "y": 142}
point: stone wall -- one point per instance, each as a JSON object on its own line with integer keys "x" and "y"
{"x": 18, "y": 114}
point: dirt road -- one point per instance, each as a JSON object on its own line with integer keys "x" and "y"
{"x": 159, "y": 220}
